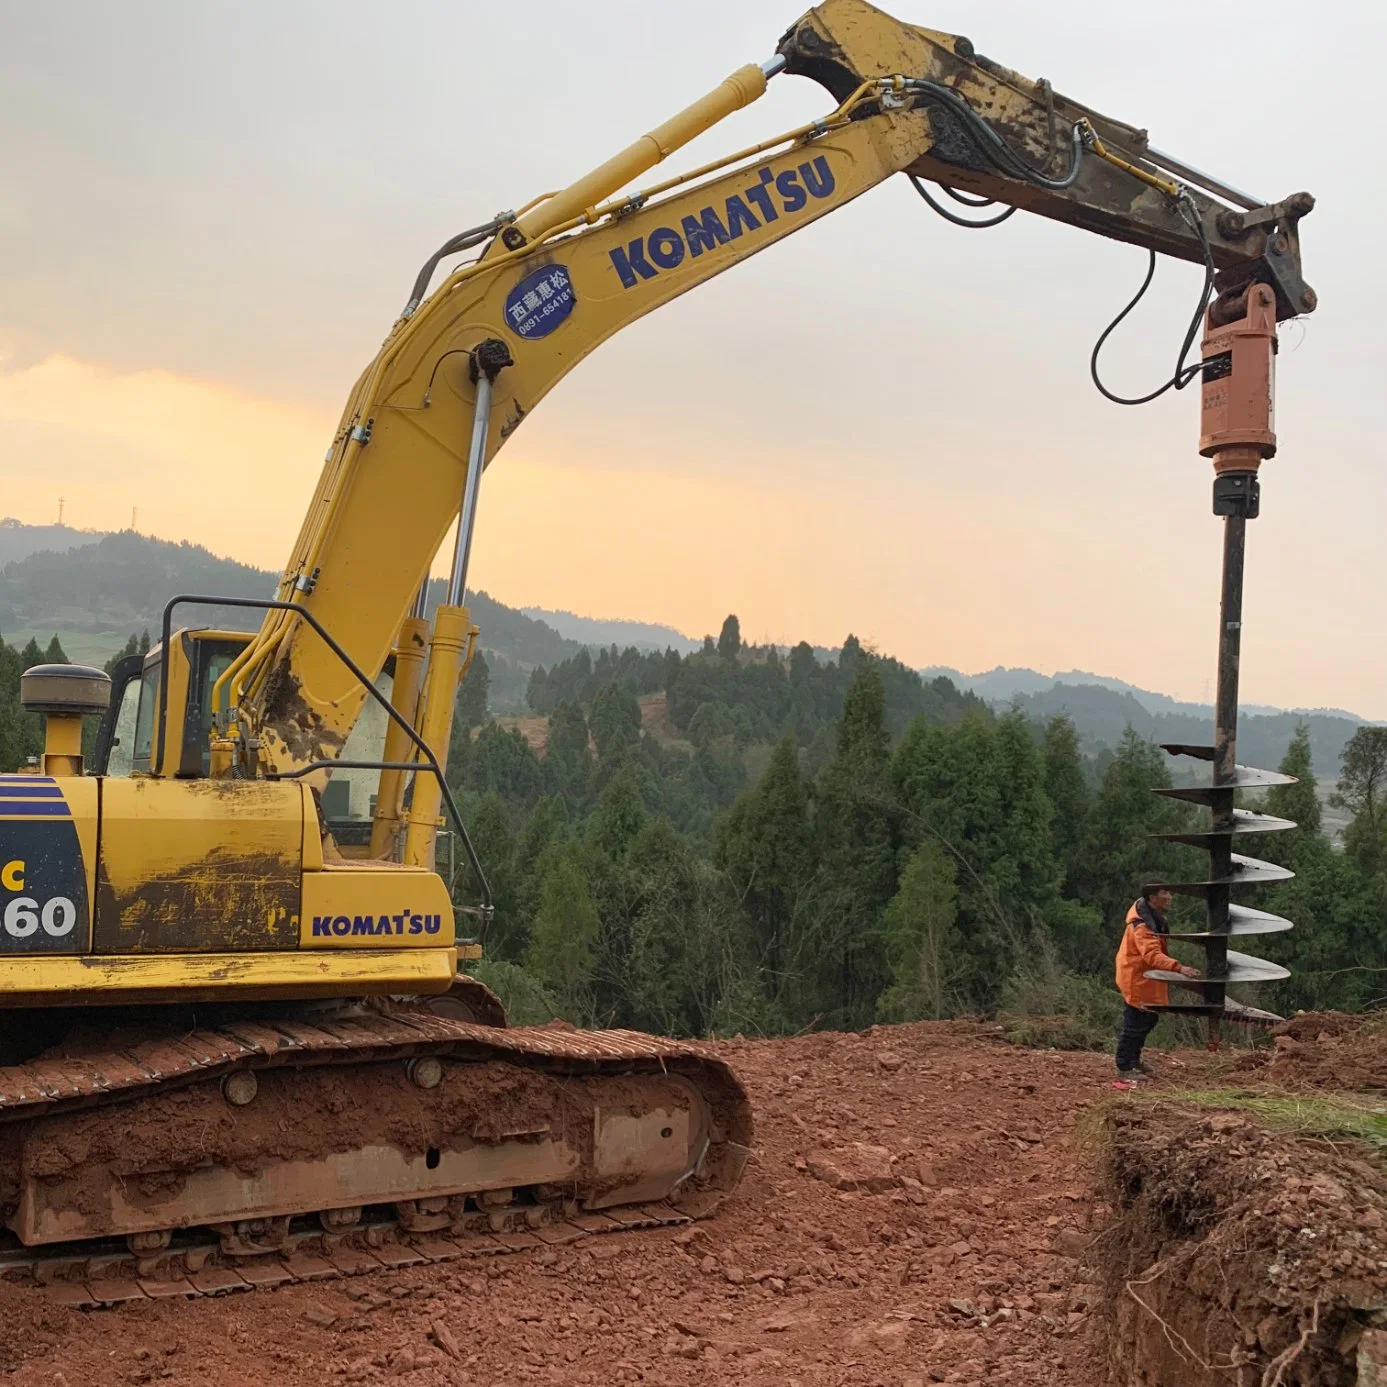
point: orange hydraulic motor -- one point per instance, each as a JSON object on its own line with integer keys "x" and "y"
{"x": 1239, "y": 387}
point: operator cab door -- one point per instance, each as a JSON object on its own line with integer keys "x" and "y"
{"x": 129, "y": 742}
{"x": 115, "y": 738}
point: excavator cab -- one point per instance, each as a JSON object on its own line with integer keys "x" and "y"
{"x": 127, "y": 742}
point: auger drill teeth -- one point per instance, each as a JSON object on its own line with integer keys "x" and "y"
{"x": 1227, "y": 869}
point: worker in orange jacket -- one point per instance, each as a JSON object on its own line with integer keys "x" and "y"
{"x": 1143, "y": 948}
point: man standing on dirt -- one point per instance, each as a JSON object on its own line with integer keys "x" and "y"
{"x": 1142, "y": 949}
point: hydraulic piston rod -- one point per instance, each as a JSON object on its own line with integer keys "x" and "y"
{"x": 453, "y": 639}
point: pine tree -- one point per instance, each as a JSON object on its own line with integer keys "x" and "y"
{"x": 1067, "y": 788}
{"x": 856, "y": 840}
{"x": 470, "y": 709}
{"x": 567, "y": 760}
{"x": 537, "y": 691}
{"x": 562, "y": 949}
{"x": 497, "y": 760}
{"x": 922, "y": 944}
{"x": 55, "y": 654}
{"x": 1119, "y": 853}
{"x": 492, "y": 830}
{"x": 977, "y": 790}
{"x": 129, "y": 649}
{"x": 730, "y": 639}
{"x": 615, "y": 722}
{"x": 1299, "y": 802}
{"x": 765, "y": 845}
{"x": 710, "y": 723}
{"x": 803, "y": 665}
{"x": 1362, "y": 790}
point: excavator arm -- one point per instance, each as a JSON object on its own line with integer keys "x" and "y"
{"x": 463, "y": 366}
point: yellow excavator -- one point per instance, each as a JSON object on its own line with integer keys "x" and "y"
{"x": 238, "y": 1045}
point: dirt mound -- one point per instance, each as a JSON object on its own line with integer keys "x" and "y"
{"x": 1322, "y": 1050}
{"x": 1238, "y": 1256}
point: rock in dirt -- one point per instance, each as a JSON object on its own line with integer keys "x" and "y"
{"x": 443, "y": 1337}
{"x": 856, "y": 1166}
{"x": 1372, "y": 1359}
{"x": 1070, "y": 1242}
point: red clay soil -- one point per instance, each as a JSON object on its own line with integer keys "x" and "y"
{"x": 913, "y": 1213}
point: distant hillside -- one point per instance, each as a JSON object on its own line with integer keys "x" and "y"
{"x": 94, "y": 590}
{"x": 119, "y": 584}
{"x": 102, "y": 588}
{"x": 1101, "y": 715}
{"x": 590, "y": 630}
{"x": 1001, "y": 685}
{"x": 18, "y": 540}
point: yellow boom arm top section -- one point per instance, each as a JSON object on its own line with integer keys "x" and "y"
{"x": 573, "y": 268}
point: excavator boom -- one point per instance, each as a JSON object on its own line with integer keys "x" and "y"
{"x": 574, "y": 268}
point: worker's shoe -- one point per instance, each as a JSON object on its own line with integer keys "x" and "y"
{"x": 1135, "y": 1075}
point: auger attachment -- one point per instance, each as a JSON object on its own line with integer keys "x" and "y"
{"x": 1239, "y": 357}
{"x": 1227, "y": 869}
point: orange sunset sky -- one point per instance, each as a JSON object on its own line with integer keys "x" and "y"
{"x": 209, "y": 216}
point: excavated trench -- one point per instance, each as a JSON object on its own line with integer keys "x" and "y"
{"x": 1247, "y": 1245}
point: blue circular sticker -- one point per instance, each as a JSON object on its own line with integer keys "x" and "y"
{"x": 540, "y": 302}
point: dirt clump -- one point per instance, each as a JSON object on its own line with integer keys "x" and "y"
{"x": 1322, "y": 1050}
{"x": 857, "y": 1166}
{"x": 1238, "y": 1255}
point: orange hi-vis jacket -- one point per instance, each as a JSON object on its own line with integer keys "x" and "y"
{"x": 1141, "y": 949}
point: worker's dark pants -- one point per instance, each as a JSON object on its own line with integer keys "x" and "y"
{"x": 1136, "y": 1026}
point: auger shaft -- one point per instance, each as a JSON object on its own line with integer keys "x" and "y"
{"x": 1225, "y": 756}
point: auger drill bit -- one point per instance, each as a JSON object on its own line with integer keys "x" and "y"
{"x": 1238, "y": 355}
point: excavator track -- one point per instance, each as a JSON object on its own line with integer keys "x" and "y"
{"x": 269, "y": 1151}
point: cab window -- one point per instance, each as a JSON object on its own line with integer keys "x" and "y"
{"x": 144, "y": 721}
{"x": 121, "y": 758}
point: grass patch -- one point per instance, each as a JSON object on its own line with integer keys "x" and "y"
{"x": 1321, "y": 1115}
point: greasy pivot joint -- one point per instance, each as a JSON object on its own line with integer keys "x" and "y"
{"x": 489, "y": 359}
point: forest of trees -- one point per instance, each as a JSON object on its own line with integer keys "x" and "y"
{"x": 831, "y": 844}
{"x": 807, "y": 843}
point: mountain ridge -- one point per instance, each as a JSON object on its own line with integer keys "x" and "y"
{"x": 105, "y": 586}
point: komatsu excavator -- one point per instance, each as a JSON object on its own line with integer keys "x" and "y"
{"x": 236, "y": 1046}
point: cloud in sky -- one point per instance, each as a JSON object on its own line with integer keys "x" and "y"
{"x": 882, "y": 426}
